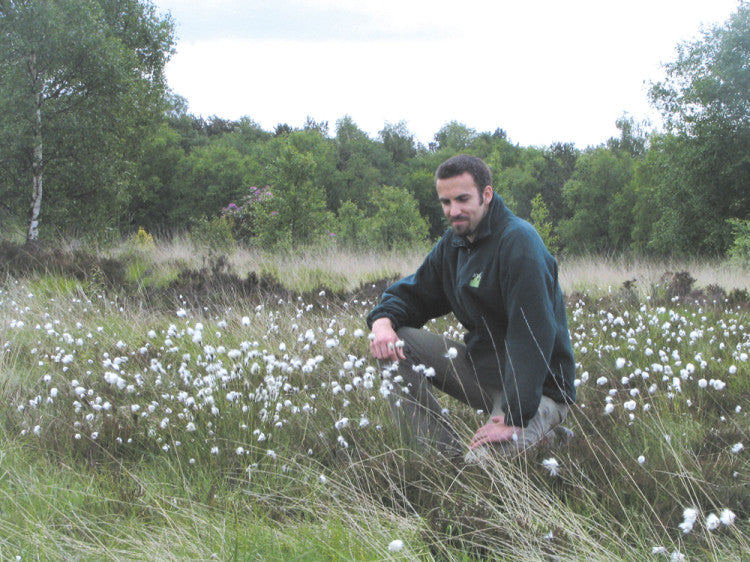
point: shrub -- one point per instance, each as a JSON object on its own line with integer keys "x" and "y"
{"x": 739, "y": 252}
{"x": 214, "y": 235}
{"x": 396, "y": 222}
{"x": 678, "y": 284}
{"x": 243, "y": 218}
{"x": 143, "y": 239}
{"x": 540, "y": 220}
{"x": 296, "y": 213}
{"x": 351, "y": 225}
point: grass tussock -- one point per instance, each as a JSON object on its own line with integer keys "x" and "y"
{"x": 233, "y": 412}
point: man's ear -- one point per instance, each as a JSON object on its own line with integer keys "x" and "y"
{"x": 487, "y": 194}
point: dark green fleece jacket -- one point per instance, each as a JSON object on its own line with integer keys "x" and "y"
{"x": 503, "y": 288}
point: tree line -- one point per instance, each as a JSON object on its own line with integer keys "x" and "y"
{"x": 94, "y": 144}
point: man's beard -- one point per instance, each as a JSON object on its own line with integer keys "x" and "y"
{"x": 463, "y": 229}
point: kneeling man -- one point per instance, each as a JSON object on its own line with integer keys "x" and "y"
{"x": 492, "y": 270}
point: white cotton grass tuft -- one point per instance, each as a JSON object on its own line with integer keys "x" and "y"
{"x": 689, "y": 517}
{"x": 717, "y": 384}
{"x": 727, "y": 517}
{"x": 552, "y": 466}
{"x": 396, "y": 545}
{"x": 712, "y": 522}
{"x": 452, "y": 353}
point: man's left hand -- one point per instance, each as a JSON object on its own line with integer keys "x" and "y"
{"x": 494, "y": 432}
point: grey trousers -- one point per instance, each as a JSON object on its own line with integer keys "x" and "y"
{"x": 418, "y": 412}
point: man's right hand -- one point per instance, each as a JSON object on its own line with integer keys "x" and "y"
{"x": 494, "y": 432}
{"x": 384, "y": 342}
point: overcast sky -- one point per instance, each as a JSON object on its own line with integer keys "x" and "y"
{"x": 545, "y": 71}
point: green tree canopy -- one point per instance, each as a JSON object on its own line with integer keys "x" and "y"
{"x": 598, "y": 195}
{"x": 295, "y": 214}
{"x": 708, "y": 85}
{"x": 210, "y": 178}
{"x": 399, "y": 142}
{"x": 540, "y": 220}
{"x": 454, "y": 136}
{"x": 706, "y": 102}
{"x": 396, "y": 221}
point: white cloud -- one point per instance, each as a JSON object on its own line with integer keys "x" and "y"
{"x": 544, "y": 71}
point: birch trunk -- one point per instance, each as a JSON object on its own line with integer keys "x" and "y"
{"x": 37, "y": 161}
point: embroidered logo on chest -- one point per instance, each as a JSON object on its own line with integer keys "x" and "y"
{"x": 475, "y": 280}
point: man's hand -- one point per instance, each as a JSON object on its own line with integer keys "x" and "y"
{"x": 384, "y": 343}
{"x": 494, "y": 432}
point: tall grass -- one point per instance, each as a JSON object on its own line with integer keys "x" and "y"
{"x": 587, "y": 273}
{"x": 300, "y": 270}
{"x": 346, "y": 269}
{"x": 257, "y": 428}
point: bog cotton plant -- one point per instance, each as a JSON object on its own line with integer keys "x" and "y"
{"x": 552, "y": 466}
{"x": 261, "y": 384}
{"x": 396, "y": 545}
{"x": 207, "y": 372}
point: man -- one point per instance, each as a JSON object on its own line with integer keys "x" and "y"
{"x": 492, "y": 270}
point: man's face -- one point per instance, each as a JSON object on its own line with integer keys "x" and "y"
{"x": 463, "y": 206}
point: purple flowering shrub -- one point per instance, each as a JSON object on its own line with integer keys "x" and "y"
{"x": 243, "y": 218}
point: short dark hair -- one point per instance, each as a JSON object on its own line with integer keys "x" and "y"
{"x": 461, "y": 163}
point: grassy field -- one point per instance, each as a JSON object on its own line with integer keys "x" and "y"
{"x": 162, "y": 404}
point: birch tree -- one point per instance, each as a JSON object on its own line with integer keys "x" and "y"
{"x": 79, "y": 80}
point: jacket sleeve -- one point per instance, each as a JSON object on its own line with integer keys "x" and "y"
{"x": 529, "y": 281}
{"x": 414, "y": 300}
